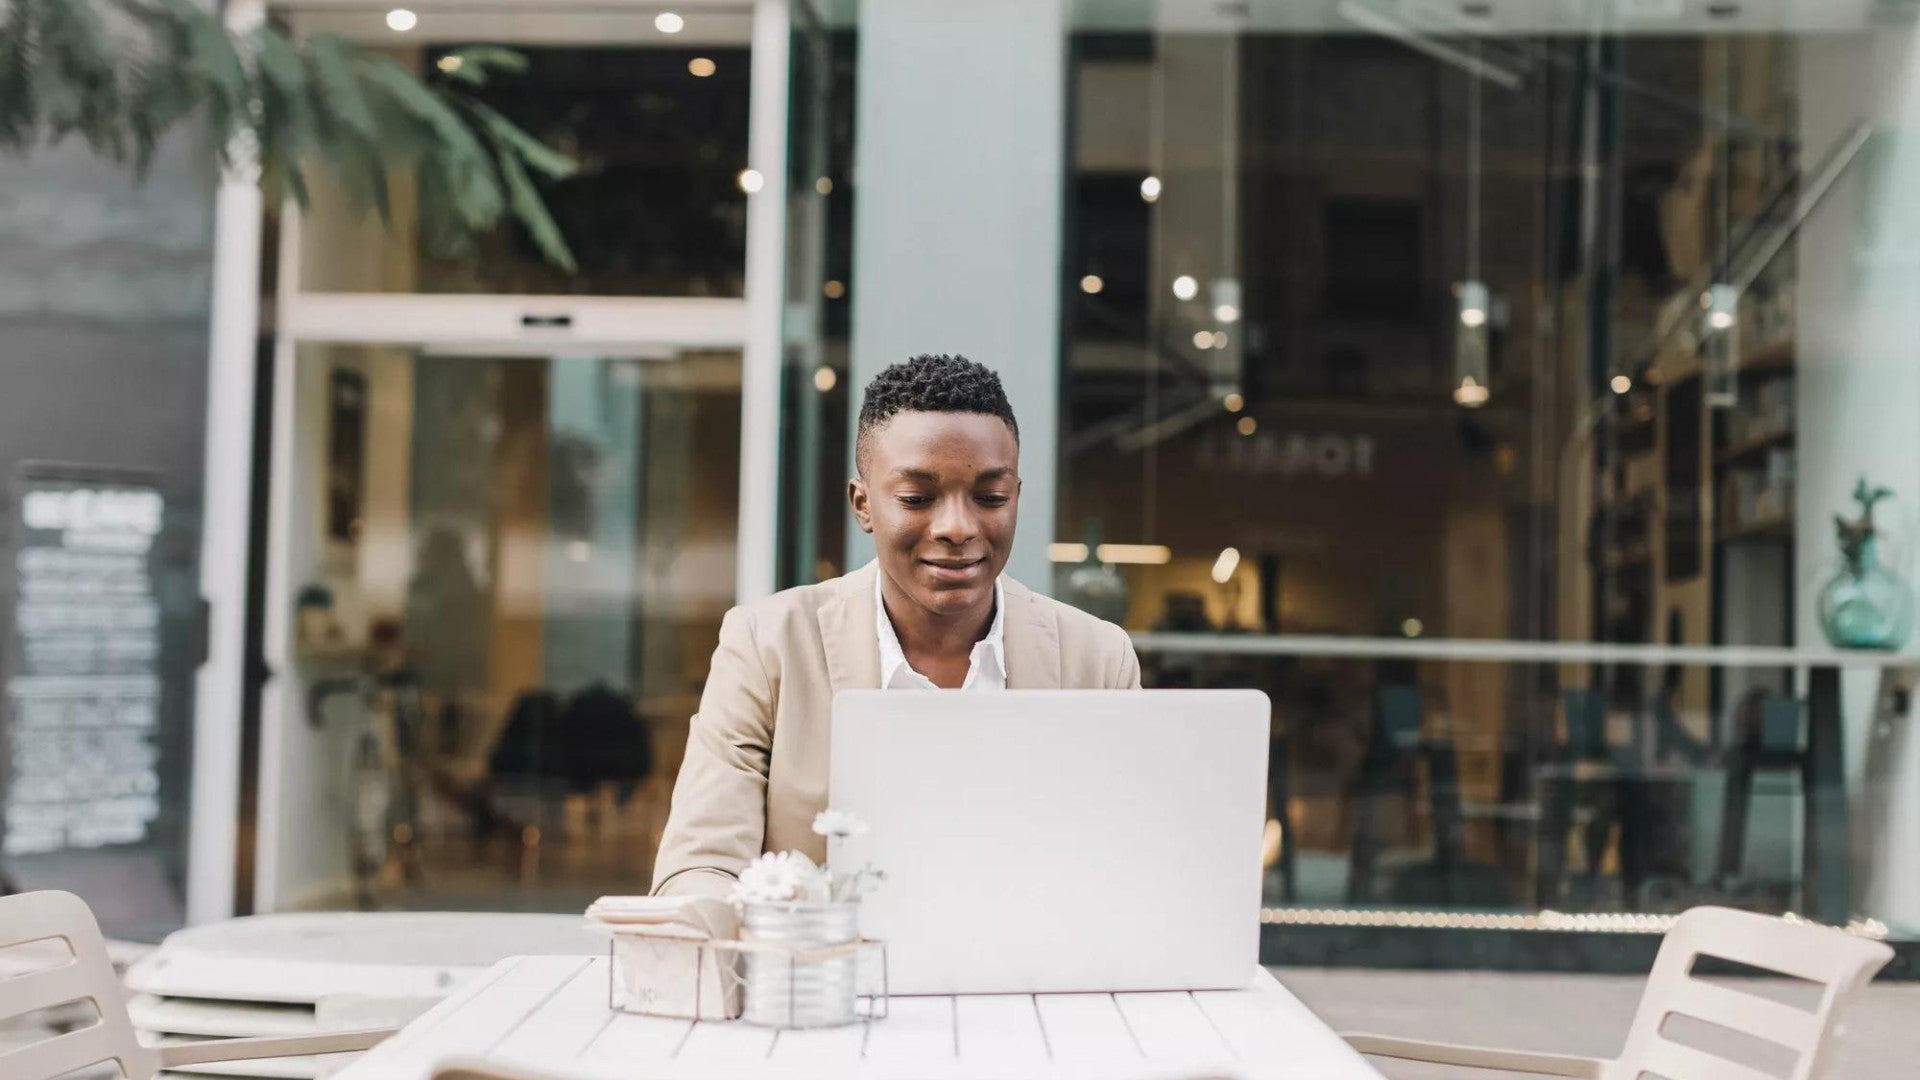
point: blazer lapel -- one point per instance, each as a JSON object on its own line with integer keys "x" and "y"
{"x": 847, "y": 633}
{"x": 1032, "y": 641}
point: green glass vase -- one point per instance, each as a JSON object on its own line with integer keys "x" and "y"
{"x": 1865, "y": 605}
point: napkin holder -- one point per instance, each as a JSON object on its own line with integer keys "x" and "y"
{"x": 663, "y": 960}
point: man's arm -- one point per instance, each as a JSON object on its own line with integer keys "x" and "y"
{"x": 719, "y": 816}
{"x": 1128, "y": 675}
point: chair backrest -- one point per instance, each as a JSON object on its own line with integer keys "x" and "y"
{"x": 1837, "y": 962}
{"x": 83, "y": 976}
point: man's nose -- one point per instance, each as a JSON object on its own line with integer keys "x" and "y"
{"x": 955, "y": 522}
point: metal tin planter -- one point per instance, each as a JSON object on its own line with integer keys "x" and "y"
{"x": 811, "y": 978}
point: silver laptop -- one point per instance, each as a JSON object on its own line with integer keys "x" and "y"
{"x": 1057, "y": 840}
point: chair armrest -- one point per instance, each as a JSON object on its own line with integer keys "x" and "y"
{"x": 1476, "y": 1057}
{"x": 332, "y": 1042}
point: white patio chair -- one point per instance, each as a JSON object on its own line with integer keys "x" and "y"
{"x": 1839, "y": 963}
{"x": 86, "y": 978}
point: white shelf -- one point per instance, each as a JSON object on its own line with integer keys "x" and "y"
{"x": 1510, "y": 652}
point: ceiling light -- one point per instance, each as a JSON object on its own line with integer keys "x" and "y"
{"x": 1225, "y": 565}
{"x": 1219, "y": 339}
{"x": 1185, "y": 288}
{"x": 751, "y": 180}
{"x": 1203, "y": 339}
{"x": 1137, "y": 554}
{"x": 824, "y": 378}
{"x": 1470, "y": 394}
{"x": 1092, "y": 284}
{"x": 1412, "y": 628}
{"x": 1234, "y": 402}
{"x": 700, "y": 67}
{"x": 824, "y": 185}
{"x": 669, "y": 23}
{"x": 400, "y": 20}
{"x": 834, "y": 290}
{"x": 450, "y": 64}
{"x": 1621, "y": 384}
{"x": 1247, "y": 425}
{"x": 1227, "y": 313}
{"x": 1150, "y": 189}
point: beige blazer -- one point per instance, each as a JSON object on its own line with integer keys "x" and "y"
{"x": 756, "y": 767}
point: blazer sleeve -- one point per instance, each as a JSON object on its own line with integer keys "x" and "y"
{"x": 1127, "y": 675}
{"x": 718, "y": 819}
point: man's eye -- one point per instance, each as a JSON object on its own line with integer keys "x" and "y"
{"x": 993, "y": 500}
{"x": 914, "y": 500}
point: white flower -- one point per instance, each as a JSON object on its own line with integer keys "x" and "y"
{"x": 782, "y": 877}
{"x": 838, "y": 824}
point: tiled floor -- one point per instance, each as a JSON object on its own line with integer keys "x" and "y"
{"x": 1576, "y": 1014}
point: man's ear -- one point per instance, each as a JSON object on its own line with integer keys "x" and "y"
{"x": 857, "y": 498}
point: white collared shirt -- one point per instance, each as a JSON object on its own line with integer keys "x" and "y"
{"x": 986, "y": 669}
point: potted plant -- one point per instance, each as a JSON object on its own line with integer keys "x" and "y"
{"x": 800, "y": 923}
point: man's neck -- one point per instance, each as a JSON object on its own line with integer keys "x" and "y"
{"x": 923, "y": 633}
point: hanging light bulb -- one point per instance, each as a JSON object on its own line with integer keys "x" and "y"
{"x": 1720, "y": 304}
{"x": 1720, "y": 338}
{"x": 1226, "y": 299}
{"x": 1470, "y": 389}
{"x": 1470, "y": 375}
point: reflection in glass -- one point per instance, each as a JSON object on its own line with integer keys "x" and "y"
{"x": 521, "y": 621}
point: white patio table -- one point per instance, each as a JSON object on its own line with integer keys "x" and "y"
{"x": 550, "y": 1013}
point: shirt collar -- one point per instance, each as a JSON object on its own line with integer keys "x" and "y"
{"x": 893, "y": 657}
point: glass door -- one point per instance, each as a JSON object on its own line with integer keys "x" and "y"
{"x": 512, "y": 571}
{"x": 505, "y": 511}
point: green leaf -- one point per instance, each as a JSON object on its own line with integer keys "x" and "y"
{"x": 286, "y": 107}
{"x": 536, "y": 155}
{"x": 78, "y": 85}
{"x": 216, "y": 64}
{"x": 475, "y": 64}
{"x": 341, "y": 99}
{"x": 476, "y": 194}
{"x": 19, "y": 111}
{"x": 524, "y": 199}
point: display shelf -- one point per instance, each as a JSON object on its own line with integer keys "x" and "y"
{"x": 1753, "y": 451}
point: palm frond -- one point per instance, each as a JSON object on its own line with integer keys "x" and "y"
{"x": 121, "y": 84}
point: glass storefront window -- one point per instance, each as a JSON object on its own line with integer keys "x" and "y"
{"x": 1483, "y": 391}
{"x": 656, "y": 209}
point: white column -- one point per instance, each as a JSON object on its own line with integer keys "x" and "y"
{"x": 1858, "y": 395}
{"x": 219, "y": 690}
{"x": 760, "y": 361}
{"x": 957, "y": 222}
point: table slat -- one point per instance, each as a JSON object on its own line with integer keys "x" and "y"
{"x": 563, "y": 1027}
{"x": 918, "y": 1031}
{"x": 1084, "y": 1029}
{"x": 737, "y": 1047}
{"x": 636, "y": 1042}
{"x": 452, "y": 1003}
{"x": 828, "y": 1051}
{"x": 1274, "y": 1035}
{"x": 999, "y": 1030}
{"x": 1171, "y": 1030}
{"x": 487, "y": 1018}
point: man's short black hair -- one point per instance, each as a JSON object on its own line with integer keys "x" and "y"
{"x": 933, "y": 383}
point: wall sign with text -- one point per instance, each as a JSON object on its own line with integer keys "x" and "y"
{"x": 1322, "y": 455}
{"x": 83, "y": 664}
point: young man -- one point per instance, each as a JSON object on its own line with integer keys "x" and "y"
{"x": 938, "y": 455}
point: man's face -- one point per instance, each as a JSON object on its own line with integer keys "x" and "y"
{"x": 940, "y": 492}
